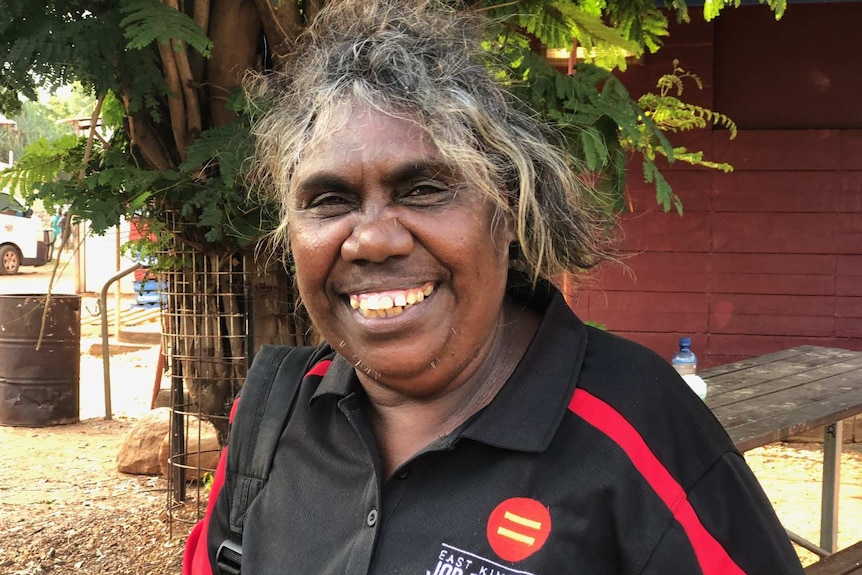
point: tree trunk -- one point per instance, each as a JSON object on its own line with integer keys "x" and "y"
{"x": 218, "y": 299}
{"x": 235, "y": 29}
{"x": 276, "y": 316}
{"x": 282, "y": 23}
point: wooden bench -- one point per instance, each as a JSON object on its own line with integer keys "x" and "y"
{"x": 845, "y": 562}
{"x": 771, "y": 397}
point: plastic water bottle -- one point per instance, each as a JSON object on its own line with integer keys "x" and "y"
{"x": 684, "y": 361}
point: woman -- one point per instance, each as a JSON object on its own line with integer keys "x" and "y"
{"x": 463, "y": 419}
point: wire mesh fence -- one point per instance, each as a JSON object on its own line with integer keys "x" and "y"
{"x": 217, "y": 308}
{"x": 204, "y": 337}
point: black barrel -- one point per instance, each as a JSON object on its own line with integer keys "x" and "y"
{"x": 40, "y": 387}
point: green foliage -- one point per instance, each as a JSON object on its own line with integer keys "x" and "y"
{"x": 149, "y": 21}
{"x": 600, "y": 121}
{"x": 113, "y": 114}
{"x": 639, "y": 20}
{"x": 51, "y": 44}
{"x": 603, "y": 126}
{"x": 231, "y": 146}
{"x": 43, "y": 118}
{"x": 556, "y": 24}
{"x": 42, "y": 161}
{"x": 712, "y": 8}
{"x": 110, "y": 47}
{"x": 49, "y": 171}
{"x": 672, "y": 114}
{"x": 205, "y": 195}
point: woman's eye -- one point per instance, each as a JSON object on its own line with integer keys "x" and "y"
{"x": 428, "y": 195}
{"x": 328, "y": 203}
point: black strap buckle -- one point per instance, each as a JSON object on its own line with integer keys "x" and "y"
{"x": 229, "y": 558}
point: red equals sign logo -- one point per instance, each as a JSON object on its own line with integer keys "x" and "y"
{"x": 518, "y": 527}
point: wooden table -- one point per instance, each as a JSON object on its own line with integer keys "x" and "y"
{"x": 771, "y": 397}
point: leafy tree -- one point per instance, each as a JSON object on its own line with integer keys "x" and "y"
{"x": 46, "y": 118}
{"x": 165, "y": 74}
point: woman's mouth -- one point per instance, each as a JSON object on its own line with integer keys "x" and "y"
{"x": 389, "y": 303}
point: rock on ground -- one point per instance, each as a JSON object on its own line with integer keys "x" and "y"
{"x": 146, "y": 448}
{"x": 202, "y": 449}
{"x": 139, "y": 454}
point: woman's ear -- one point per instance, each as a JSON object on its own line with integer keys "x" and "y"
{"x": 505, "y": 227}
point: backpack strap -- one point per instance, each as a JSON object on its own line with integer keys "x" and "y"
{"x": 266, "y": 401}
{"x": 261, "y": 416}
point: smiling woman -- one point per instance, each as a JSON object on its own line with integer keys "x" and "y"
{"x": 459, "y": 418}
{"x": 374, "y": 218}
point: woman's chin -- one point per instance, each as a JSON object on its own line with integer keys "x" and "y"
{"x": 401, "y": 366}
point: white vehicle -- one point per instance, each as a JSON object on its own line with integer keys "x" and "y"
{"x": 23, "y": 240}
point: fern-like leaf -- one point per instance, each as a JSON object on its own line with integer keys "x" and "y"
{"x": 149, "y": 21}
{"x": 664, "y": 195}
{"x": 591, "y": 30}
{"x": 43, "y": 161}
{"x": 227, "y": 147}
{"x": 712, "y": 8}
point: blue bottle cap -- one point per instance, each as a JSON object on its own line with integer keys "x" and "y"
{"x": 685, "y": 342}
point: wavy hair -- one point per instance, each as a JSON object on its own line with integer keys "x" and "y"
{"x": 421, "y": 60}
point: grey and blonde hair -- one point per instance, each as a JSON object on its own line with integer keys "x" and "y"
{"x": 422, "y": 60}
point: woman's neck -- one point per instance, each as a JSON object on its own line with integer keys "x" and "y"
{"x": 405, "y": 425}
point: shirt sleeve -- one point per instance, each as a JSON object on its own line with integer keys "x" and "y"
{"x": 734, "y": 511}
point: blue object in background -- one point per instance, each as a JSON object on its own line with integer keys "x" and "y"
{"x": 150, "y": 293}
{"x": 684, "y": 360}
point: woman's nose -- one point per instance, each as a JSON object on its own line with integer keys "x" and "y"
{"x": 377, "y": 239}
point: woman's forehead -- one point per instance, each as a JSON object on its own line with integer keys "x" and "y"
{"x": 357, "y": 133}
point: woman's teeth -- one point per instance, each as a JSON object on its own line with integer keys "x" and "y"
{"x": 389, "y": 303}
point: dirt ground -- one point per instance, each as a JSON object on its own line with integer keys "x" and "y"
{"x": 64, "y": 508}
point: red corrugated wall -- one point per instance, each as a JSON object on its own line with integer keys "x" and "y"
{"x": 765, "y": 258}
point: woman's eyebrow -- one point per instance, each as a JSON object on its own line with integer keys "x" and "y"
{"x": 413, "y": 170}
{"x": 401, "y": 173}
{"x": 323, "y": 180}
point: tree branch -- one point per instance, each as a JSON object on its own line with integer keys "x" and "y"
{"x": 147, "y": 141}
{"x": 176, "y": 106}
{"x": 187, "y": 83}
{"x": 190, "y": 94}
{"x": 201, "y": 16}
{"x": 94, "y": 119}
{"x": 88, "y": 150}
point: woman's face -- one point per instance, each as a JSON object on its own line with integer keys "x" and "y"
{"x": 398, "y": 260}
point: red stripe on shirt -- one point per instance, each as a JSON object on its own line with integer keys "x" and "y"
{"x": 320, "y": 368}
{"x": 711, "y": 556}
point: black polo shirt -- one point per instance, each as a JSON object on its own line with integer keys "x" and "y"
{"x": 594, "y": 458}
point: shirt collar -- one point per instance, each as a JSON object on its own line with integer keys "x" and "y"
{"x": 340, "y": 379}
{"x": 528, "y": 409}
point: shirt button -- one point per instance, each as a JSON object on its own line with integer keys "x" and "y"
{"x": 371, "y": 520}
{"x": 403, "y": 474}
